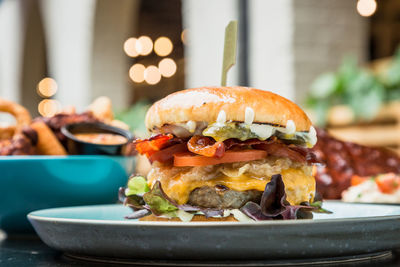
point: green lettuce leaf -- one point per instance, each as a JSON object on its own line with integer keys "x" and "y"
{"x": 137, "y": 185}
{"x": 159, "y": 203}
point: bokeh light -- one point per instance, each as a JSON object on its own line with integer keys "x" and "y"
{"x": 366, "y": 8}
{"x": 144, "y": 45}
{"x": 49, "y": 107}
{"x": 184, "y": 36}
{"x": 163, "y": 46}
{"x": 152, "y": 75}
{"x": 47, "y": 87}
{"x": 167, "y": 67}
{"x": 136, "y": 73}
{"x": 130, "y": 47}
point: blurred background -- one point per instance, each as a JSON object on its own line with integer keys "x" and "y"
{"x": 336, "y": 58}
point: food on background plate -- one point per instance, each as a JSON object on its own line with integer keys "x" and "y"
{"x": 227, "y": 153}
{"x": 56, "y": 122}
{"x": 21, "y": 115}
{"x": 48, "y": 143}
{"x": 18, "y": 139}
{"x": 43, "y": 136}
{"x": 382, "y": 188}
{"x": 97, "y": 138}
{"x": 6, "y": 131}
{"x": 101, "y": 108}
{"x": 94, "y": 113}
{"x": 102, "y": 138}
{"x": 23, "y": 143}
{"x": 344, "y": 160}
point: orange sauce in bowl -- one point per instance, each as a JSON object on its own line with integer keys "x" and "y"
{"x": 102, "y": 138}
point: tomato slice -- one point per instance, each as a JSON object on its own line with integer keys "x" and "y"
{"x": 190, "y": 159}
{"x": 388, "y": 183}
{"x": 356, "y": 180}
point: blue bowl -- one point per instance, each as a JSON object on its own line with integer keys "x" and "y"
{"x": 29, "y": 183}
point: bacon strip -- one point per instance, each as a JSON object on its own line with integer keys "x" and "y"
{"x": 150, "y": 146}
{"x": 162, "y": 148}
{"x": 206, "y": 146}
{"x": 234, "y": 143}
{"x": 167, "y": 154}
{"x": 309, "y": 155}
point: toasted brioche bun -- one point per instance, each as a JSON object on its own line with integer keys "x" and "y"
{"x": 196, "y": 218}
{"x": 204, "y": 104}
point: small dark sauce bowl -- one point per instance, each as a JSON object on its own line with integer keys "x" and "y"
{"x": 76, "y": 146}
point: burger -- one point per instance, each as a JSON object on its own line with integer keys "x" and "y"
{"x": 225, "y": 153}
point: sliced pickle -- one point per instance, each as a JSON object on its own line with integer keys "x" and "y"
{"x": 229, "y": 130}
{"x": 241, "y": 131}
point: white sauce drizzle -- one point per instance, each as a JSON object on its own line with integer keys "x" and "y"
{"x": 290, "y": 127}
{"x": 248, "y": 116}
{"x": 312, "y": 136}
{"x": 221, "y": 119}
{"x": 191, "y": 126}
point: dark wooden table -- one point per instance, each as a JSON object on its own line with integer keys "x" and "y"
{"x": 31, "y": 251}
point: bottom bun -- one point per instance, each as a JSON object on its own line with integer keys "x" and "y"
{"x": 196, "y": 218}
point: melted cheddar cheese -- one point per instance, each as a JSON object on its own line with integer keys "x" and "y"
{"x": 299, "y": 186}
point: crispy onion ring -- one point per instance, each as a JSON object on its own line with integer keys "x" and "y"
{"x": 7, "y": 132}
{"x": 21, "y": 115}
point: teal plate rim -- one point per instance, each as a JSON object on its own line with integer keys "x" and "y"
{"x": 36, "y": 215}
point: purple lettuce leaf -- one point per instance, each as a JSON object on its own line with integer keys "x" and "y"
{"x": 121, "y": 194}
{"x": 273, "y": 200}
{"x": 138, "y": 214}
{"x": 253, "y": 211}
{"x": 297, "y": 212}
{"x": 135, "y": 202}
{"x": 274, "y": 205}
{"x": 207, "y": 211}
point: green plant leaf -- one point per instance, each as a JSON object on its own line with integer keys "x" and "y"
{"x": 347, "y": 71}
{"x": 321, "y": 110}
{"x": 363, "y": 91}
{"x": 324, "y": 86}
{"x": 134, "y": 116}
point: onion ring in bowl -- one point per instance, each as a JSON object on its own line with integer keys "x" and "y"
{"x": 21, "y": 115}
{"x": 7, "y": 131}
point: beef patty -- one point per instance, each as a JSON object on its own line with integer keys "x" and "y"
{"x": 221, "y": 197}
